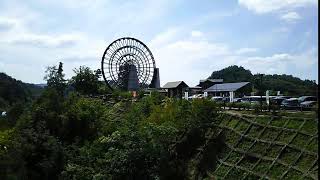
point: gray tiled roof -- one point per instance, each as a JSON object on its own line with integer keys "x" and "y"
{"x": 212, "y": 80}
{"x": 226, "y": 87}
{"x": 195, "y": 87}
{"x": 175, "y": 84}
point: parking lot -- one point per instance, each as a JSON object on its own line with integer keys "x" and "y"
{"x": 303, "y": 103}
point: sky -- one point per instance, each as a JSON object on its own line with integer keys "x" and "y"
{"x": 189, "y": 39}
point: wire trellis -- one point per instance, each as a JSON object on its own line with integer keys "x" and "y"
{"x": 268, "y": 149}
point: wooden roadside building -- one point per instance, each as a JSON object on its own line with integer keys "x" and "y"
{"x": 206, "y": 83}
{"x": 176, "y": 89}
{"x": 238, "y": 89}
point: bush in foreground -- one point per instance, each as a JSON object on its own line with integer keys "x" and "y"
{"x": 82, "y": 138}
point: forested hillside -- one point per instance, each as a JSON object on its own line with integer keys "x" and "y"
{"x": 80, "y": 133}
{"x": 13, "y": 91}
{"x": 75, "y": 136}
{"x": 286, "y": 84}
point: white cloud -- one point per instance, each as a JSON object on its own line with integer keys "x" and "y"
{"x": 187, "y": 59}
{"x": 199, "y": 47}
{"x": 281, "y": 29}
{"x": 20, "y": 71}
{"x": 191, "y": 59}
{"x": 16, "y": 31}
{"x": 281, "y": 63}
{"x": 26, "y": 53}
{"x": 7, "y": 23}
{"x": 40, "y": 40}
{"x": 74, "y": 4}
{"x": 290, "y": 17}
{"x": 165, "y": 37}
{"x": 267, "y": 6}
{"x": 181, "y": 53}
{"x": 246, "y": 50}
{"x": 285, "y": 8}
{"x": 196, "y": 34}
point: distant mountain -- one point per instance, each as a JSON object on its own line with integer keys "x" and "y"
{"x": 286, "y": 84}
{"x": 41, "y": 85}
{"x": 13, "y": 91}
{"x": 232, "y": 74}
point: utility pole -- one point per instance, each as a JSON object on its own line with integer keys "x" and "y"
{"x": 261, "y": 91}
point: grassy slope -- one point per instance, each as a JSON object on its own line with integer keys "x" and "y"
{"x": 269, "y": 147}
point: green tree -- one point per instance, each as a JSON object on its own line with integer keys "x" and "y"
{"x": 232, "y": 74}
{"x": 149, "y": 139}
{"x": 86, "y": 81}
{"x": 12, "y": 91}
{"x": 14, "y": 113}
{"x": 55, "y": 78}
{"x": 41, "y": 152}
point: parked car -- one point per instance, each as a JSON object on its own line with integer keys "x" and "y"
{"x": 278, "y": 100}
{"x": 253, "y": 99}
{"x": 307, "y": 104}
{"x": 307, "y": 98}
{"x": 226, "y": 99}
{"x": 290, "y": 104}
{"x": 217, "y": 98}
{"x": 196, "y": 96}
{"x": 237, "y": 99}
{"x": 245, "y": 100}
{"x": 199, "y": 96}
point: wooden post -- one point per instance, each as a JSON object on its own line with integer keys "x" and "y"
{"x": 134, "y": 94}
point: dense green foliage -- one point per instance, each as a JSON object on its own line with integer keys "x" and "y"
{"x": 286, "y": 84}
{"x": 13, "y": 91}
{"x": 84, "y": 138}
{"x": 70, "y": 136}
{"x": 290, "y": 85}
{"x": 232, "y": 74}
{"x": 55, "y": 78}
{"x": 85, "y": 81}
{"x": 83, "y": 133}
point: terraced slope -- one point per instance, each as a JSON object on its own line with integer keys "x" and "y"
{"x": 265, "y": 147}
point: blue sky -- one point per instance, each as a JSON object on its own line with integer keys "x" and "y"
{"x": 189, "y": 39}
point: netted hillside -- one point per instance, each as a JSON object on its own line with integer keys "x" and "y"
{"x": 265, "y": 147}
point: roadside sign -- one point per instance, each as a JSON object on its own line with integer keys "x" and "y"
{"x": 231, "y": 96}
{"x": 267, "y": 97}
